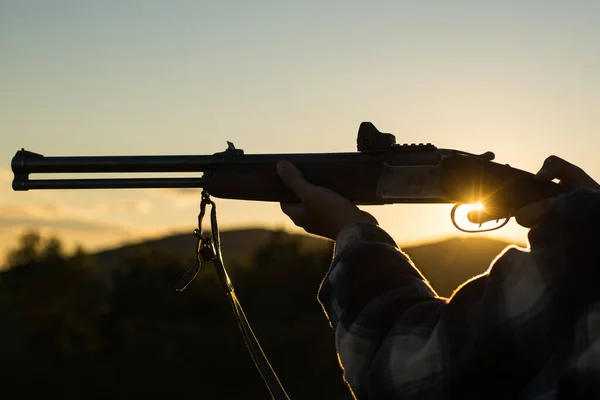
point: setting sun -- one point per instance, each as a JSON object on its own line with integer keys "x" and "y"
{"x": 463, "y": 211}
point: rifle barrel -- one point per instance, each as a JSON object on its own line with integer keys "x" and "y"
{"x": 112, "y": 183}
{"x": 26, "y": 162}
{"x": 29, "y": 163}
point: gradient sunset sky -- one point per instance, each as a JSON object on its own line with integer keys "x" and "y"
{"x": 520, "y": 78}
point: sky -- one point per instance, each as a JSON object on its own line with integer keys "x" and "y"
{"x": 521, "y": 79}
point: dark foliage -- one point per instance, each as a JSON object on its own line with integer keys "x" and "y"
{"x": 78, "y": 326}
{"x": 70, "y": 330}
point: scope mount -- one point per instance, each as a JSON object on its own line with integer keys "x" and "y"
{"x": 370, "y": 140}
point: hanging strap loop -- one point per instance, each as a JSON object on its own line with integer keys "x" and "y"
{"x": 209, "y": 250}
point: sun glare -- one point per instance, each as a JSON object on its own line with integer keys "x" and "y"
{"x": 467, "y": 208}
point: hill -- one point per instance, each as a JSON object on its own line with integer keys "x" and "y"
{"x": 446, "y": 263}
{"x": 235, "y": 244}
{"x": 58, "y": 308}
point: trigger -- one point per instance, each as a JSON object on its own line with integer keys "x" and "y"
{"x": 480, "y": 217}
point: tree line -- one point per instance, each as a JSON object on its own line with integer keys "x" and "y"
{"x": 70, "y": 329}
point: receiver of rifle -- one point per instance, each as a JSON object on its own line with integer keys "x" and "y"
{"x": 380, "y": 172}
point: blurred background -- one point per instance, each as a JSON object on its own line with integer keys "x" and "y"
{"x": 86, "y": 300}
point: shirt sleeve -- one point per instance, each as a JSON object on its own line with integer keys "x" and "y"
{"x": 397, "y": 339}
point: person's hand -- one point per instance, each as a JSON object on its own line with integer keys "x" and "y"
{"x": 321, "y": 211}
{"x": 568, "y": 174}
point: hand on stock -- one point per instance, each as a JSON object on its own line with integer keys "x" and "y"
{"x": 321, "y": 211}
{"x": 567, "y": 174}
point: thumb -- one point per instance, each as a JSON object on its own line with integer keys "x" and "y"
{"x": 569, "y": 174}
{"x": 532, "y": 213}
{"x": 293, "y": 179}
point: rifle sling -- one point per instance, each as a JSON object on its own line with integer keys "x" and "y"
{"x": 210, "y": 250}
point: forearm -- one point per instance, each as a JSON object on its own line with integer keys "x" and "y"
{"x": 367, "y": 263}
{"x": 395, "y": 336}
{"x": 370, "y": 287}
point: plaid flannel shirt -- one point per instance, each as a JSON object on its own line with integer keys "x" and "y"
{"x": 529, "y": 328}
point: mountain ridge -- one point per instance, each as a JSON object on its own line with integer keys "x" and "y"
{"x": 445, "y": 263}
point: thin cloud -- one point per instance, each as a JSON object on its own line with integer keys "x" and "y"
{"x": 56, "y": 224}
{"x": 187, "y": 192}
{"x": 180, "y": 198}
{"x": 46, "y": 211}
{"x": 127, "y": 207}
{"x": 49, "y": 211}
{"x": 14, "y": 211}
{"x": 6, "y": 175}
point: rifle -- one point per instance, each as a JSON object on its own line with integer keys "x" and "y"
{"x": 380, "y": 172}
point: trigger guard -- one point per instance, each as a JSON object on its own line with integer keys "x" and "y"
{"x": 453, "y": 219}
